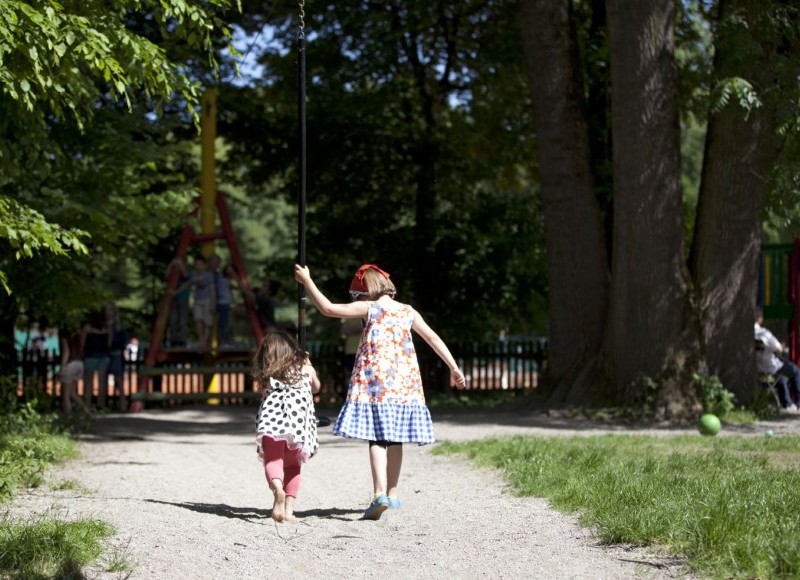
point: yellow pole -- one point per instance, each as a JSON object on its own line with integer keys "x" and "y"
{"x": 208, "y": 181}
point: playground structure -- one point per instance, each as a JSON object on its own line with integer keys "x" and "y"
{"x": 779, "y": 289}
{"x": 211, "y": 199}
{"x": 162, "y": 364}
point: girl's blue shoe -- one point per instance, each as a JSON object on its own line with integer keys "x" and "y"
{"x": 394, "y": 503}
{"x": 379, "y": 505}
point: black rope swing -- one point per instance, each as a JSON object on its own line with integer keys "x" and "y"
{"x": 301, "y": 169}
{"x": 322, "y": 420}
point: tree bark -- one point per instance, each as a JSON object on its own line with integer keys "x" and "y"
{"x": 576, "y": 249}
{"x": 649, "y": 331}
{"x": 740, "y": 149}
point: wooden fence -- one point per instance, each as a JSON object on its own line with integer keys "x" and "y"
{"x": 493, "y": 366}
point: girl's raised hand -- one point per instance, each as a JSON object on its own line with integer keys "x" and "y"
{"x": 302, "y": 274}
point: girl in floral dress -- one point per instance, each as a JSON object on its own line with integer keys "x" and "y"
{"x": 385, "y": 402}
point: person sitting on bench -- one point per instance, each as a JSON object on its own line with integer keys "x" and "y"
{"x": 768, "y": 361}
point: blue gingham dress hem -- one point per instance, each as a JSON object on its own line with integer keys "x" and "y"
{"x": 399, "y": 423}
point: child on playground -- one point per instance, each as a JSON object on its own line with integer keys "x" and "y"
{"x": 385, "y": 402}
{"x": 286, "y": 427}
{"x": 205, "y": 300}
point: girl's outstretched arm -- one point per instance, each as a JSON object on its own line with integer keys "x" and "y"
{"x": 437, "y": 344}
{"x": 325, "y": 306}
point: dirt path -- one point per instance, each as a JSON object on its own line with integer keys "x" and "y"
{"x": 188, "y": 499}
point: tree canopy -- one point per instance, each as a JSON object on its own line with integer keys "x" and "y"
{"x": 91, "y": 170}
{"x": 518, "y": 166}
{"x": 664, "y": 303}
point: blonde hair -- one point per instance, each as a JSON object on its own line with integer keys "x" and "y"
{"x": 279, "y": 356}
{"x": 378, "y": 285}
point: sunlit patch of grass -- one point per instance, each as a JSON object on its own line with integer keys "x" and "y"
{"x": 65, "y": 484}
{"x": 25, "y": 458}
{"x": 118, "y": 562}
{"x": 741, "y": 415}
{"x": 726, "y": 504}
{"x": 50, "y": 548}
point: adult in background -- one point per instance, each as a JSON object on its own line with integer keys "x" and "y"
{"x": 96, "y": 349}
{"x": 264, "y": 300}
{"x": 770, "y": 360}
{"x": 71, "y": 369}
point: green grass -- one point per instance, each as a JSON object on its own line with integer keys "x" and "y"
{"x": 30, "y": 443}
{"x": 50, "y": 549}
{"x": 119, "y": 563}
{"x": 69, "y": 485}
{"x": 741, "y": 415}
{"x": 731, "y": 505}
{"x": 475, "y": 399}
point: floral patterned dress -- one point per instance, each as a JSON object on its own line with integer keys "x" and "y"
{"x": 385, "y": 400}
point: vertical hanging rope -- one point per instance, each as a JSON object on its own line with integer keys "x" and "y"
{"x": 301, "y": 170}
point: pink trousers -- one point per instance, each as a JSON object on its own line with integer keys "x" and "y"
{"x": 282, "y": 463}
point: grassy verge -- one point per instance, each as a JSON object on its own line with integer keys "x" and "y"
{"x": 728, "y": 505}
{"x": 475, "y": 399}
{"x": 50, "y": 548}
{"x": 30, "y": 443}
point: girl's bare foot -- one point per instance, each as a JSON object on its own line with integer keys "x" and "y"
{"x": 288, "y": 514}
{"x": 279, "y": 505}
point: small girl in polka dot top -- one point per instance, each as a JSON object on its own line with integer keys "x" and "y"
{"x": 286, "y": 426}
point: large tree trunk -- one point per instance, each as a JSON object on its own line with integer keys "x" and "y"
{"x": 650, "y": 327}
{"x": 740, "y": 149}
{"x": 576, "y": 249}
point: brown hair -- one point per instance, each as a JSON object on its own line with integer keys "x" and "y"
{"x": 378, "y": 285}
{"x": 279, "y": 356}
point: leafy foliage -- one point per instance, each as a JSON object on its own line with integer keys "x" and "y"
{"x": 29, "y": 443}
{"x": 64, "y": 57}
{"x": 27, "y": 232}
{"x": 418, "y": 148}
{"x": 90, "y": 170}
{"x": 715, "y": 398}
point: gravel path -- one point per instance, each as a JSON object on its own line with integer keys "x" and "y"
{"x": 188, "y": 499}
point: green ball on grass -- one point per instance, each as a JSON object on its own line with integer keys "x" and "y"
{"x": 709, "y": 425}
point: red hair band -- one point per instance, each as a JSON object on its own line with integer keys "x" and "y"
{"x": 357, "y": 286}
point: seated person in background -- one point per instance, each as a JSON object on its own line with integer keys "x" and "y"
{"x": 781, "y": 382}
{"x": 768, "y": 362}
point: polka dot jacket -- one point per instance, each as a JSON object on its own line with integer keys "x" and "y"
{"x": 287, "y": 413}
